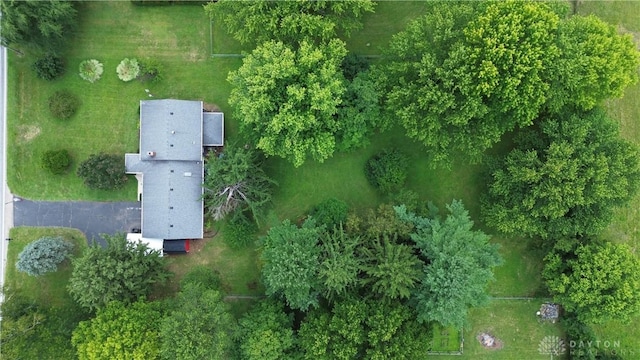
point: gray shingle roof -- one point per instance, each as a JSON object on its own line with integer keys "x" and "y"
{"x": 172, "y": 206}
{"x": 171, "y": 129}
{"x": 172, "y": 167}
{"x": 213, "y": 129}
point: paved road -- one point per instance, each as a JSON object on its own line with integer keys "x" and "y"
{"x": 92, "y": 218}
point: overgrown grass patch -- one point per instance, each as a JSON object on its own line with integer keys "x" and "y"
{"x": 445, "y": 339}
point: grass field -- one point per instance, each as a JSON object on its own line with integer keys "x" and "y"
{"x": 514, "y": 323}
{"x": 51, "y": 288}
{"x": 180, "y": 38}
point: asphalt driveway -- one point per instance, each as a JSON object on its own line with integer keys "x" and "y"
{"x": 92, "y": 218}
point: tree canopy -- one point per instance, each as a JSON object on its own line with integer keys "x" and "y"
{"x": 286, "y": 99}
{"x": 235, "y": 180}
{"x": 392, "y": 270}
{"x": 120, "y": 271}
{"x": 198, "y": 326}
{"x": 120, "y": 331}
{"x": 458, "y": 265}
{"x": 265, "y": 333}
{"x": 461, "y": 76}
{"x": 597, "y": 281}
{"x": 288, "y": 21}
{"x": 42, "y": 25}
{"x": 291, "y": 257}
{"x": 356, "y": 329}
{"x": 564, "y": 178}
{"x": 340, "y": 264}
{"x": 595, "y": 63}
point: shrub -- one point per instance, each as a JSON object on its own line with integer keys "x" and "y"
{"x": 56, "y": 161}
{"x": 43, "y": 255}
{"x": 387, "y": 170}
{"x": 331, "y": 213}
{"x": 409, "y": 198}
{"x": 91, "y": 70}
{"x": 63, "y": 104}
{"x": 48, "y": 67}
{"x": 150, "y": 70}
{"x": 103, "y": 171}
{"x": 128, "y": 69}
{"x": 240, "y": 232}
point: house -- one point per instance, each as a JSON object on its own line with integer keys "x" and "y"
{"x": 170, "y": 166}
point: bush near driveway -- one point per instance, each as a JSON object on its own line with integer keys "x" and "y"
{"x": 103, "y": 171}
{"x": 56, "y": 161}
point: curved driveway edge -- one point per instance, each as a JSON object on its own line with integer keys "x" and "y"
{"x": 92, "y": 218}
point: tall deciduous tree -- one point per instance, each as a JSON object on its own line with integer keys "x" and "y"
{"x": 357, "y": 329}
{"x": 360, "y": 113}
{"x": 235, "y": 180}
{"x": 265, "y": 333}
{"x": 596, "y": 281}
{"x": 459, "y": 264}
{"x": 461, "y": 76}
{"x": 43, "y": 25}
{"x": 120, "y": 331}
{"x": 563, "y": 179}
{"x": 291, "y": 257}
{"x": 121, "y": 271}
{"x": 287, "y": 99}
{"x": 289, "y": 21}
{"x": 199, "y": 325}
{"x": 596, "y": 63}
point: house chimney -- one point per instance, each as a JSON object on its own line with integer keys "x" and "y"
{"x": 151, "y": 153}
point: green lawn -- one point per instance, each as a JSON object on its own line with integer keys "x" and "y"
{"x": 107, "y": 120}
{"x": 51, "y": 288}
{"x": 515, "y": 324}
{"x": 180, "y": 38}
{"x": 51, "y": 339}
{"x": 238, "y": 268}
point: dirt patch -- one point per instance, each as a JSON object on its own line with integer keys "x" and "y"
{"x": 194, "y": 55}
{"x": 209, "y": 107}
{"x": 489, "y": 341}
{"x": 197, "y": 245}
{"x": 26, "y": 133}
